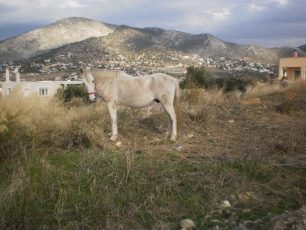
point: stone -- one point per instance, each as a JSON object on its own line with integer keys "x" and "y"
{"x": 225, "y": 204}
{"x": 118, "y": 144}
{"x": 187, "y": 224}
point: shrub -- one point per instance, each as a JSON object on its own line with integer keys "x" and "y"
{"x": 72, "y": 92}
{"x": 197, "y": 77}
{"x": 231, "y": 84}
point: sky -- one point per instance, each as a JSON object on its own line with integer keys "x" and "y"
{"x": 266, "y": 23}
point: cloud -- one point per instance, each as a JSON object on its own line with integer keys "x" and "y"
{"x": 278, "y": 26}
{"x": 43, "y": 4}
{"x": 219, "y": 14}
{"x": 282, "y": 2}
{"x": 71, "y": 4}
{"x": 253, "y": 7}
{"x": 50, "y": 10}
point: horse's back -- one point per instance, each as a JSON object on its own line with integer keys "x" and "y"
{"x": 109, "y": 74}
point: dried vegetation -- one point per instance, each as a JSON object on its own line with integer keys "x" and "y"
{"x": 59, "y": 170}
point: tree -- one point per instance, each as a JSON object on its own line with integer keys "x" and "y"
{"x": 197, "y": 77}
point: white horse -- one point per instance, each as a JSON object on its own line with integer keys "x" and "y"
{"x": 117, "y": 87}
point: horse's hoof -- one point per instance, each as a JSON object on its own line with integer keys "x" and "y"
{"x": 173, "y": 139}
{"x": 113, "y": 138}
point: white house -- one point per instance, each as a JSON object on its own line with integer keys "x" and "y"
{"x": 40, "y": 88}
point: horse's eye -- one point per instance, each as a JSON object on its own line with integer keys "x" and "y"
{"x": 93, "y": 81}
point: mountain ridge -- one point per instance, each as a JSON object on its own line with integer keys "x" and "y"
{"x": 123, "y": 38}
{"x": 57, "y": 34}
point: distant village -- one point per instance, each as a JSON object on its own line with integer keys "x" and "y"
{"x": 65, "y": 66}
{"x": 44, "y": 75}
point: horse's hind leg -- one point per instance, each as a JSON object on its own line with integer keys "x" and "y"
{"x": 172, "y": 117}
{"x": 113, "y": 115}
{"x": 169, "y": 128}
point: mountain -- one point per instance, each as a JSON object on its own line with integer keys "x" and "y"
{"x": 62, "y": 32}
{"x": 77, "y": 35}
{"x": 160, "y": 43}
{"x": 303, "y": 48}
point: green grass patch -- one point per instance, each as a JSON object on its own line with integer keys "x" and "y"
{"x": 105, "y": 189}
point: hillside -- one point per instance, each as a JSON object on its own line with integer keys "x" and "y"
{"x": 62, "y": 32}
{"x": 125, "y": 39}
{"x": 160, "y": 43}
{"x": 201, "y": 44}
{"x": 65, "y": 173}
{"x": 303, "y": 48}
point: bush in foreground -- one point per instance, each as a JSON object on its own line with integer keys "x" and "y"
{"x": 73, "y": 94}
{"x": 199, "y": 77}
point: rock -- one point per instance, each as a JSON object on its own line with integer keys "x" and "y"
{"x": 215, "y": 221}
{"x": 294, "y": 219}
{"x": 191, "y": 135}
{"x": 187, "y": 224}
{"x": 179, "y": 148}
{"x": 225, "y": 204}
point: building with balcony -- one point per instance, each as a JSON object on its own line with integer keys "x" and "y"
{"x": 292, "y": 68}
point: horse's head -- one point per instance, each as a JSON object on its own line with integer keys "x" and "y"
{"x": 89, "y": 82}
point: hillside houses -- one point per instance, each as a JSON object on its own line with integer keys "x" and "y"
{"x": 146, "y": 62}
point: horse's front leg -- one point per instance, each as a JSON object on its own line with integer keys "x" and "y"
{"x": 113, "y": 115}
{"x": 172, "y": 120}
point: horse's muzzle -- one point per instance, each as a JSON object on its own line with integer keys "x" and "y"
{"x": 92, "y": 96}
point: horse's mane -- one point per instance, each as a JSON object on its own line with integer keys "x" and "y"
{"x": 106, "y": 74}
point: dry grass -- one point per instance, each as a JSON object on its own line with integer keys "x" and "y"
{"x": 262, "y": 89}
{"x": 36, "y": 123}
{"x": 59, "y": 170}
{"x": 198, "y": 104}
{"x": 205, "y": 97}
